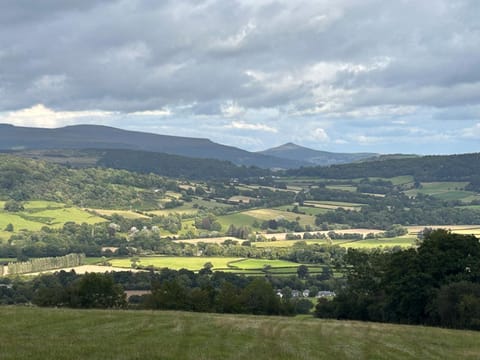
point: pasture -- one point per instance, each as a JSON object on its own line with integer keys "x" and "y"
{"x": 445, "y": 191}
{"x": 332, "y": 205}
{"x": 308, "y": 210}
{"x": 41, "y": 333}
{"x": 402, "y": 241}
{"x": 176, "y": 263}
{"x": 38, "y": 214}
{"x": 269, "y": 214}
{"x": 229, "y": 264}
{"x": 350, "y": 188}
{"x": 128, "y": 214}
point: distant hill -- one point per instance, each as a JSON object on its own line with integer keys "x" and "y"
{"x": 104, "y": 137}
{"x": 462, "y": 167}
{"x": 315, "y": 157}
{"x": 139, "y": 161}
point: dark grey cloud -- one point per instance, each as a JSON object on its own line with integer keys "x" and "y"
{"x": 335, "y": 66}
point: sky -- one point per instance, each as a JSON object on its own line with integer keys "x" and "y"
{"x": 341, "y": 75}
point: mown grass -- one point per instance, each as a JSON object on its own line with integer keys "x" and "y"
{"x": 269, "y": 214}
{"x": 124, "y": 213}
{"x": 231, "y": 264}
{"x": 304, "y": 209}
{"x": 39, "y": 213}
{"x": 176, "y": 262}
{"x": 444, "y": 190}
{"x": 349, "y": 188}
{"x": 403, "y": 241}
{"x": 287, "y": 243}
{"x": 332, "y": 205}
{"x": 37, "y": 333}
{"x": 237, "y": 219}
{"x": 260, "y": 263}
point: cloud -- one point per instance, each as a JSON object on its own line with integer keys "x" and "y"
{"x": 320, "y": 135}
{"x": 241, "y": 125}
{"x": 162, "y": 112}
{"x": 245, "y": 65}
{"x": 41, "y": 116}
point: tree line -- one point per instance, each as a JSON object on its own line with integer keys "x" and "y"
{"x": 436, "y": 284}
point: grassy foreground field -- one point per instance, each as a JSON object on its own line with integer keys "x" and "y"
{"x": 36, "y": 333}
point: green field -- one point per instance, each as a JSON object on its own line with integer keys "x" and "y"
{"x": 38, "y": 214}
{"x": 39, "y": 333}
{"x": 238, "y": 219}
{"x": 286, "y": 243}
{"x": 350, "y": 188}
{"x": 445, "y": 191}
{"x": 249, "y": 264}
{"x": 403, "y": 241}
{"x": 124, "y": 213}
{"x": 268, "y": 214}
{"x": 176, "y": 263}
{"x": 304, "y": 209}
{"x": 231, "y": 264}
{"x": 332, "y": 205}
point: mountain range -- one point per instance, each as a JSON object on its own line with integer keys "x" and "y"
{"x": 103, "y": 137}
{"x": 315, "y": 157}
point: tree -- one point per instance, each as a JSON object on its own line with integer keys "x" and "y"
{"x": 9, "y": 227}
{"x": 259, "y": 298}
{"x": 207, "y": 269}
{"x": 13, "y": 206}
{"x": 94, "y": 290}
{"x": 458, "y": 305}
{"x": 302, "y": 271}
{"x": 135, "y": 260}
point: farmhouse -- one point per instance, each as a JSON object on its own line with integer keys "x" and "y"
{"x": 325, "y": 294}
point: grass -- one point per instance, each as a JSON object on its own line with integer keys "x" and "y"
{"x": 124, "y": 213}
{"x": 445, "y": 191}
{"x": 286, "y": 243}
{"x": 39, "y": 333}
{"x": 61, "y": 216}
{"x": 38, "y": 214}
{"x": 404, "y": 241}
{"x": 260, "y": 263}
{"x": 238, "y": 219}
{"x": 332, "y": 205}
{"x": 230, "y": 264}
{"x": 268, "y": 214}
{"x": 349, "y": 188}
{"x": 176, "y": 262}
{"x": 305, "y": 209}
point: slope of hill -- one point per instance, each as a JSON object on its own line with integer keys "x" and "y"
{"x": 103, "y": 137}
{"x": 39, "y": 333}
{"x": 315, "y": 157}
{"x": 463, "y": 167}
{"x": 175, "y": 166}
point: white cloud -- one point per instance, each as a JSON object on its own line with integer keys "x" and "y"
{"x": 231, "y": 109}
{"x": 471, "y": 132}
{"x": 320, "y": 135}
{"x": 41, "y": 116}
{"x": 161, "y": 112}
{"x": 237, "y": 40}
{"x": 241, "y": 125}
{"x": 367, "y": 140}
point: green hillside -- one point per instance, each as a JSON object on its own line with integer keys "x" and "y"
{"x": 33, "y": 333}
